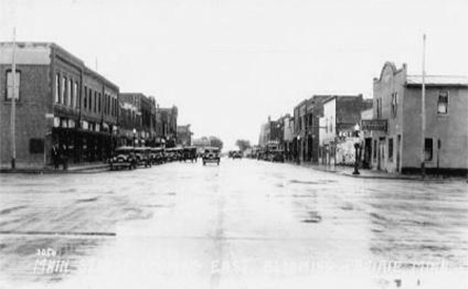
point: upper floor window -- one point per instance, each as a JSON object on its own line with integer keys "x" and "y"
{"x": 99, "y": 102}
{"x": 85, "y": 99}
{"x": 394, "y": 103}
{"x": 10, "y": 90}
{"x": 70, "y": 92}
{"x": 64, "y": 90}
{"x": 57, "y": 88}
{"x": 90, "y": 99}
{"x": 95, "y": 101}
{"x": 379, "y": 107}
{"x": 75, "y": 93}
{"x": 442, "y": 102}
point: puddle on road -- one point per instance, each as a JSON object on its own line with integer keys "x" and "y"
{"x": 313, "y": 217}
{"x": 321, "y": 182}
{"x": 12, "y": 209}
{"x": 87, "y": 200}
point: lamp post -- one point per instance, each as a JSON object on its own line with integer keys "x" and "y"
{"x": 299, "y": 147}
{"x": 356, "y": 151}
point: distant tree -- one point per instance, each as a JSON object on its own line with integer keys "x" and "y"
{"x": 243, "y": 144}
{"x": 216, "y": 142}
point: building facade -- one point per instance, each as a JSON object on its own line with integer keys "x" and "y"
{"x": 398, "y": 146}
{"x": 341, "y": 118}
{"x": 184, "y": 135}
{"x": 166, "y": 126}
{"x": 288, "y": 136}
{"x": 59, "y": 103}
{"x": 272, "y": 134}
{"x": 307, "y": 128}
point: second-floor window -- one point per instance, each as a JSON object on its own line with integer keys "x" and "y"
{"x": 95, "y": 101}
{"x": 85, "y": 99}
{"x": 70, "y": 92}
{"x": 379, "y": 107}
{"x": 394, "y": 104}
{"x": 99, "y": 102}
{"x": 57, "y": 88}
{"x": 75, "y": 93}
{"x": 442, "y": 102}
{"x": 10, "y": 90}
{"x": 64, "y": 90}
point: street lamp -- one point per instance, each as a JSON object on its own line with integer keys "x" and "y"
{"x": 356, "y": 149}
{"x": 298, "y": 149}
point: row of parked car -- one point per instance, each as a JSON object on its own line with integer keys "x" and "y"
{"x": 271, "y": 155}
{"x": 127, "y": 157}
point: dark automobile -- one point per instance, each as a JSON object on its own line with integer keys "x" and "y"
{"x": 143, "y": 155}
{"x": 236, "y": 155}
{"x": 124, "y": 157}
{"x": 157, "y": 155}
{"x": 211, "y": 155}
{"x": 277, "y": 156}
{"x": 189, "y": 153}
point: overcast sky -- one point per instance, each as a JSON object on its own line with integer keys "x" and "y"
{"x": 228, "y": 64}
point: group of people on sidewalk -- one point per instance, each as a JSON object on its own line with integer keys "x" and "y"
{"x": 60, "y": 156}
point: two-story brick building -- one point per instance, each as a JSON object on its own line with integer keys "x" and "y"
{"x": 59, "y": 102}
{"x": 398, "y": 146}
{"x": 166, "y": 125}
{"x": 306, "y": 128}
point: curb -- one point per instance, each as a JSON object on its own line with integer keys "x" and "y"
{"x": 73, "y": 170}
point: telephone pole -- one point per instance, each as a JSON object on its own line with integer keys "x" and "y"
{"x": 13, "y": 104}
{"x": 423, "y": 111}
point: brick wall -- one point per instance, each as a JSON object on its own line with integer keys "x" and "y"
{"x": 35, "y": 96}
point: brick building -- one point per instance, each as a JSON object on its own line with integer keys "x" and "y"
{"x": 272, "y": 134}
{"x": 397, "y": 146}
{"x": 60, "y": 102}
{"x": 306, "y": 128}
{"x": 138, "y": 121}
{"x": 166, "y": 126}
{"x": 184, "y": 135}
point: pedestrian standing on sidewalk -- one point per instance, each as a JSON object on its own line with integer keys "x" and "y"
{"x": 55, "y": 156}
{"x": 64, "y": 156}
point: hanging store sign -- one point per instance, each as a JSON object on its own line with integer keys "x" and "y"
{"x": 374, "y": 124}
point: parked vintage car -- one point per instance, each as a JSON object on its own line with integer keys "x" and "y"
{"x": 124, "y": 157}
{"x": 211, "y": 155}
{"x": 276, "y": 156}
{"x": 143, "y": 155}
{"x": 173, "y": 154}
{"x": 189, "y": 153}
{"x": 236, "y": 155}
{"x": 157, "y": 155}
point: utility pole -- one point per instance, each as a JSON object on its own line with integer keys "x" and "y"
{"x": 13, "y": 104}
{"x": 423, "y": 111}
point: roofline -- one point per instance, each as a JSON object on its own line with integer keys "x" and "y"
{"x": 436, "y": 85}
{"x": 55, "y": 46}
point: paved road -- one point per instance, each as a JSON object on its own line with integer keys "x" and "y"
{"x": 244, "y": 224}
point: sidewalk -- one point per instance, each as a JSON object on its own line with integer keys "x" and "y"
{"x": 72, "y": 168}
{"x": 374, "y": 174}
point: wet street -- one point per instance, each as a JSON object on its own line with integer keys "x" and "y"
{"x": 244, "y": 224}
